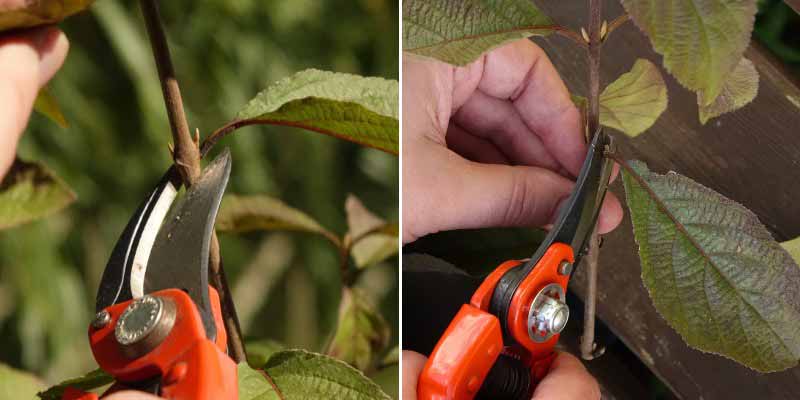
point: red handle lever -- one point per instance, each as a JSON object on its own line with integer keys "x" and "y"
{"x": 473, "y": 341}
{"x": 191, "y": 367}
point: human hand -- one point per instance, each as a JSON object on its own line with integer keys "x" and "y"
{"x": 490, "y": 144}
{"x": 28, "y": 59}
{"x": 131, "y": 395}
{"x": 566, "y": 380}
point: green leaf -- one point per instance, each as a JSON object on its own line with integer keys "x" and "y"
{"x": 30, "y": 191}
{"x": 714, "y": 271}
{"x": 47, "y": 105}
{"x": 373, "y": 239}
{"x": 260, "y": 212}
{"x": 701, "y": 40}
{"x": 16, "y": 384}
{"x": 253, "y": 385}
{"x": 300, "y": 374}
{"x": 633, "y": 102}
{"x": 459, "y": 31}
{"x": 93, "y": 380}
{"x": 392, "y": 357}
{"x": 793, "y": 247}
{"x": 740, "y": 88}
{"x": 26, "y": 14}
{"x": 361, "y": 333}
{"x": 350, "y": 107}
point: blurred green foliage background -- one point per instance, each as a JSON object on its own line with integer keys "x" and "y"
{"x": 286, "y": 286}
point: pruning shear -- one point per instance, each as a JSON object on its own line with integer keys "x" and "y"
{"x": 158, "y": 326}
{"x": 501, "y": 344}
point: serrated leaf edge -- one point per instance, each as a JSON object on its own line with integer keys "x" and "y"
{"x": 662, "y": 207}
{"x": 326, "y": 378}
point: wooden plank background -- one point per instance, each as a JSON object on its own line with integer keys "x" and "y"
{"x": 752, "y": 156}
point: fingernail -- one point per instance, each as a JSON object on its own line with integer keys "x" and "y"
{"x": 51, "y": 46}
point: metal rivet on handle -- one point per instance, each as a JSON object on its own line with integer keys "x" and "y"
{"x": 102, "y": 319}
{"x": 565, "y": 268}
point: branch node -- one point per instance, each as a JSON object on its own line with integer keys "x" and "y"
{"x": 585, "y": 36}
{"x": 604, "y": 31}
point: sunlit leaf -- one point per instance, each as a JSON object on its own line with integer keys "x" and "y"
{"x": 93, "y": 380}
{"x": 392, "y": 357}
{"x": 740, "y": 88}
{"x": 459, "y": 31}
{"x": 16, "y": 384}
{"x": 633, "y": 102}
{"x": 30, "y": 191}
{"x": 793, "y": 247}
{"x": 300, "y": 374}
{"x": 374, "y": 240}
{"x": 260, "y": 212}
{"x": 361, "y": 332}
{"x": 350, "y": 107}
{"x": 26, "y": 13}
{"x": 47, "y": 105}
{"x": 714, "y": 271}
{"x": 701, "y": 40}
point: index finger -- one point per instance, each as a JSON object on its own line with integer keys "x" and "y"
{"x": 27, "y": 61}
{"x": 522, "y": 74}
{"x": 132, "y": 395}
{"x": 567, "y": 380}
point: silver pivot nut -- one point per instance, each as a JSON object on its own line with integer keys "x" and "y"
{"x": 144, "y": 324}
{"x": 548, "y": 314}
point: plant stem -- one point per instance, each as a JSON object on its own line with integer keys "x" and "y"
{"x": 593, "y": 109}
{"x": 344, "y": 262}
{"x": 219, "y": 280}
{"x": 186, "y": 156}
{"x": 588, "y": 346}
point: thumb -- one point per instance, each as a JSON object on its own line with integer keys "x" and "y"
{"x": 444, "y": 192}
{"x": 502, "y": 195}
{"x": 413, "y": 363}
{"x": 131, "y": 395}
{"x": 27, "y": 61}
{"x": 567, "y": 380}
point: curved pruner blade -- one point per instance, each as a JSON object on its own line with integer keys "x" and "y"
{"x": 115, "y": 286}
{"x": 179, "y": 258}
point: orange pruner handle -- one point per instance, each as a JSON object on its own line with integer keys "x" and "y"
{"x": 191, "y": 366}
{"x": 473, "y": 342}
